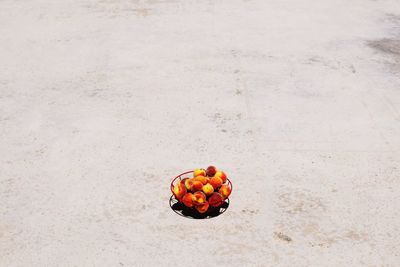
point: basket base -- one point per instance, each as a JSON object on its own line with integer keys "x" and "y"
{"x": 184, "y": 211}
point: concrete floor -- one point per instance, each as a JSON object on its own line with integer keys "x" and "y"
{"x": 102, "y": 102}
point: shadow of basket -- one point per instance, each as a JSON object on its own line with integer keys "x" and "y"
{"x": 191, "y": 213}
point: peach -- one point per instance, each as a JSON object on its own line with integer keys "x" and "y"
{"x": 183, "y": 181}
{"x": 187, "y": 199}
{"x": 200, "y": 178}
{"x": 208, "y": 189}
{"x": 211, "y": 170}
{"x": 196, "y": 186}
{"x": 188, "y": 183}
{"x": 198, "y": 172}
{"x": 179, "y": 190}
{"x": 215, "y": 200}
{"x": 221, "y": 175}
{"x": 225, "y": 191}
{"x": 203, "y": 208}
{"x": 216, "y": 182}
{"x": 199, "y": 198}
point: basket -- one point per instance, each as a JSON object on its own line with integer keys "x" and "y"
{"x": 188, "y": 212}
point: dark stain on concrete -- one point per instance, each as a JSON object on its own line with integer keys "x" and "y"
{"x": 386, "y": 45}
{"x": 282, "y": 236}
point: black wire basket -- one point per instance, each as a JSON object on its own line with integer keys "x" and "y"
{"x": 191, "y": 212}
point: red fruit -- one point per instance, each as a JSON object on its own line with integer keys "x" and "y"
{"x": 215, "y": 200}
{"x": 221, "y": 175}
{"x": 225, "y": 191}
{"x": 199, "y": 198}
{"x": 208, "y": 189}
{"x": 196, "y": 186}
{"x": 201, "y": 179}
{"x": 188, "y": 183}
{"x": 216, "y": 182}
{"x": 187, "y": 199}
{"x": 179, "y": 190}
{"x": 211, "y": 170}
{"x": 198, "y": 172}
{"x": 183, "y": 181}
{"x": 203, "y": 208}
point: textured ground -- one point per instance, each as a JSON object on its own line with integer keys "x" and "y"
{"x": 102, "y": 102}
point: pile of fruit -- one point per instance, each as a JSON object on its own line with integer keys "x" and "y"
{"x": 207, "y": 188}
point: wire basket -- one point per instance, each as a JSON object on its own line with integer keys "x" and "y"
{"x": 190, "y": 212}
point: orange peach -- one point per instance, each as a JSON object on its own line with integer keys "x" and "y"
{"x": 179, "y": 190}
{"x": 198, "y": 172}
{"x": 188, "y": 183}
{"x": 225, "y": 191}
{"x": 200, "y": 178}
{"x": 203, "y": 208}
{"x": 199, "y": 198}
{"x": 211, "y": 170}
{"x": 183, "y": 181}
{"x": 187, "y": 199}
{"x": 208, "y": 189}
{"x": 196, "y": 186}
{"x": 216, "y": 182}
{"x": 215, "y": 200}
{"x": 221, "y": 175}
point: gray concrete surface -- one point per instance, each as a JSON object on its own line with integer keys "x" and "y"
{"x": 102, "y": 102}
